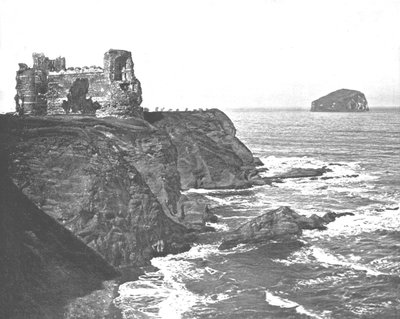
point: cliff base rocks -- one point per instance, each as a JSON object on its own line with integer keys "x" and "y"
{"x": 282, "y": 224}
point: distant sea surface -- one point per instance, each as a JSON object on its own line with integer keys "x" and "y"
{"x": 350, "y": 270}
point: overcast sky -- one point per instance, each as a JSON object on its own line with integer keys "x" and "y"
{"x": 216, "y": 53}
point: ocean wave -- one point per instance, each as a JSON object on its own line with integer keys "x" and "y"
{"x": 212, "y": 191}
{"x": 219, "y": 227}
{"x": 328, "y": 259}
{"x": 389, "y": 264}
{"x": 371, "y": 219}
{"x": 219, "y": 201}
{"x": 160, "y": 296}
{"x": 323, "y": 257}
{"x": 344, "y": 178}
{"x": 277, "y": 301}
{"x": 236, "y": 217}
{"x": 278, "y": 165}
{"x": 163, "y": 294}
{"x": 345, "y": 184}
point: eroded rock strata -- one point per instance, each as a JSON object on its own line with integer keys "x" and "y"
{"x": 343, "y": 100}
{"x": 116, "y": 185}
{"x": 112, "y": 182}
{"x": 209, "y": 153}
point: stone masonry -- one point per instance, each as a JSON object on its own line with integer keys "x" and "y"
{"x": 49, "y": 87}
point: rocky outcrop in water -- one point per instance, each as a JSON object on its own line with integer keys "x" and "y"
{"x": 341, "y": 101}
{"x": 282, "y": 224}
{"x": 299, "y": 173}
{"x": 209, "y": 153}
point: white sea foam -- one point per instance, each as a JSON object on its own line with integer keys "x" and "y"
{"x": 348, "y": 178}
{"x": 365, "y": 220}
{"x": 219, "y": 227}
{"x": 237, "y": 217}
{"x": 163, "y": 294}
{"x": 326, "y": 258}
{"x": 211, "y": 191}
{"x": 242, "y": 248}
{"x": 277, "y": 301}
{"x": 218, "y": 201}
{"x": 278, "y": 165}
{"x": 163, "y": 297}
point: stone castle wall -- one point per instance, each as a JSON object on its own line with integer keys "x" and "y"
{"x": 31, "y": 88}
{"x": 51, "y": 88}
{"x": 59, "y": 85}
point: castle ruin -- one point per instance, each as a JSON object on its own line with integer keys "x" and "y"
{"x": 49, "y": 87}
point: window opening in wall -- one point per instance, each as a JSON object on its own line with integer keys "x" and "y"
{"x": 120, "y": 69}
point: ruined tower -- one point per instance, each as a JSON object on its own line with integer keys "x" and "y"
{"x": 49, "y": 87}
{"x": 31, "y": 88}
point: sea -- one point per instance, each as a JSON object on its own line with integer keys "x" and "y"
{"x": 350, "y": 270}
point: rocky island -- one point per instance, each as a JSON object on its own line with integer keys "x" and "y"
{"x": 91, "y": 185}
{"x": 343, "y": 100}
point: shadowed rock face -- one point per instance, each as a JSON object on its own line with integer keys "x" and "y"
{"x": 112, "y": 182}
{"x": 115, "y": 184}
{"x": 209, "y": 154}
{"x": 43, "y": 266}
{"x": 282, "y": 224}
{"x": 341, "y": 101}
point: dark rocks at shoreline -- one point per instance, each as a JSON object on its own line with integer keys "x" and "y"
{"x": 196, "y": 212}
{"x": 112, "y": 182}
{"x": 282, "y": 224}
{"x": 300, "y": 173}
{"x": 116, "y": 185}
{"x": 343, "y": 100}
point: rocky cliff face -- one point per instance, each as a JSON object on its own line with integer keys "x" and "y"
{"x": 42, "y": 265}
{"x": 341, "y": 101}
{"x": 116, "y": 183}
{"x": 112, "y": 182}
{"x": 209, "y": 154}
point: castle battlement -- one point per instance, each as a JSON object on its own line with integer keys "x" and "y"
{"x": 76, "y": 70}
{"x": 49, "y": 87}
